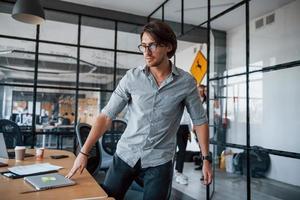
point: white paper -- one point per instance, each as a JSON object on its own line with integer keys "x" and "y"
{"x": 32, "y": 169}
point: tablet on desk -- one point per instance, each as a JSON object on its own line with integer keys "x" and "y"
{"x": 49, "y": 181}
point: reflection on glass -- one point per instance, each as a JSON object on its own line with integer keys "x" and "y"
{"x": 96, "y": 69}
{"x": 59, "y": 27}
{"x": 172, "y": 15}
{"x": 195, "y": 8}
{"x": 127, "y": 61}
{"x": 228, "y": 51}
{"x": 97, "y": 32}
{"x": 228, "y": 108}
{"x": 128, "y": 37}
{"x": 157, "y": 15}
{"x": 17, "y": 60}
{"x": 57, "y": 65}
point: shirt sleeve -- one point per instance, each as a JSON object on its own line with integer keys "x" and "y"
{"x": 118, "y": 99}
{"x": 194, "y": 106}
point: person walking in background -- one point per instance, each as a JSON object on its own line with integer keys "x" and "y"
{"x": 202, "y": 94}
{"x": 183, "y": 134}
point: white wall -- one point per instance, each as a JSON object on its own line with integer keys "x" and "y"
{"x": 275, "y": 109}
{"x": 186, "y": 53}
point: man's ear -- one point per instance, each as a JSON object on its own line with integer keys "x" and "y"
{"x": 169, "y": 48}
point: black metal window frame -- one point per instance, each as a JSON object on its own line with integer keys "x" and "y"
{"x": 78, "y": 46}
{"x": 282, "y": 66}
{"x": 245, "y": 3}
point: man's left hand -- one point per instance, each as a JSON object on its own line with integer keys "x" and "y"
{"x": 207, "y": 172}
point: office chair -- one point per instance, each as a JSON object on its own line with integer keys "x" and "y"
{"x": 12, "y": 133}
{"x": 66, "y": 121}
{"x": 109, "y": 141}
{"x": 94, "y": 160}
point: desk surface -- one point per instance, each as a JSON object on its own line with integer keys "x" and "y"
{"x": 85, "y": 188}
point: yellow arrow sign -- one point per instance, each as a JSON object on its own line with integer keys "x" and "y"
{"x": 199, "y": 67}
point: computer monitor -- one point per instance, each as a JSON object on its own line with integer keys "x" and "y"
{"x": 3, "y": 150}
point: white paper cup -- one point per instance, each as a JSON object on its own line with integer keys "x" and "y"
{"x": 20, "y": 153}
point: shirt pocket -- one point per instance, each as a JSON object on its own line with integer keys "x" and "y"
{"x": 169, "y": 105}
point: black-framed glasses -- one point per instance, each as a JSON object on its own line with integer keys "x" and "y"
{"x": 151, "y": 47}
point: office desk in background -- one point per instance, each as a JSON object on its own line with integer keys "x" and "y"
{"x": 60, "y": 131}
{"x": 47, "y": 131}
{"x": 86, "y": 186}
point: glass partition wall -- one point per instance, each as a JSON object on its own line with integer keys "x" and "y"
{"x": 65, "y": 70}
{"x": 253, "y": 87}
{"x": 62, "y": 72}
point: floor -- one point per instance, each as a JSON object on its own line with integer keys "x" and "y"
{"x": 233, "y": 187}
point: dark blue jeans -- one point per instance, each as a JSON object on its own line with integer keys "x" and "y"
{"x": 157, "y": 180}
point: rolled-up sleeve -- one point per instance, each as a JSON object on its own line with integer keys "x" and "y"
{"x": 194, "y": 105}
{"x": 118, "y": 99}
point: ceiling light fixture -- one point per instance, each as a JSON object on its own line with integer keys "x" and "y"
{"x": 28, "y": 11}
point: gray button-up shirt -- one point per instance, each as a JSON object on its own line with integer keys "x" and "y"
{"x": 154, "y": 114}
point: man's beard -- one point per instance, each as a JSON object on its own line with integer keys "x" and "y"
{"x": 157, "y": 62}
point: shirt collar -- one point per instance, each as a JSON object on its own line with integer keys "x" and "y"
{"x": 145, "y": 69}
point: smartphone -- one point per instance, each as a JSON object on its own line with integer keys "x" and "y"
{"x": 59, "y": 156}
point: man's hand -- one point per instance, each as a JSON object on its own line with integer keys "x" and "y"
{"x": 79, "y": 165}
{"x": 207, "y": 172}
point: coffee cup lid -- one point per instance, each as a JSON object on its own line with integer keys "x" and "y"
{"x": 19, "y": 147}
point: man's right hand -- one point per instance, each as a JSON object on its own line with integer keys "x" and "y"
{"x": 79, "y": 165}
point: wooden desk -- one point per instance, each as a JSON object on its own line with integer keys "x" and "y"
{"x": 86, "y": 186}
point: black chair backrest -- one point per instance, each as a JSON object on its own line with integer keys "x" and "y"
{"x": 94, "y": 160}
{"x": 66, "y": 121}
{"x": 111, "y": 137}
{"x": 12, "y": 133}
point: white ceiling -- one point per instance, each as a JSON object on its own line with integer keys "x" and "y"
{"x": 195, "y": 10}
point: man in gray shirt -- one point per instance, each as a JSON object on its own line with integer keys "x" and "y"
{"x": 156, "y": 95}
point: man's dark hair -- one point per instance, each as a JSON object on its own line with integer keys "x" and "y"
{"x": 162, "y": 34}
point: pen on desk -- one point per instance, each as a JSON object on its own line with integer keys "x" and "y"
{"x": 30, "y": 191}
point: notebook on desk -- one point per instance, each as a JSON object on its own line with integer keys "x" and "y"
{"x": 49, "y": 181}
